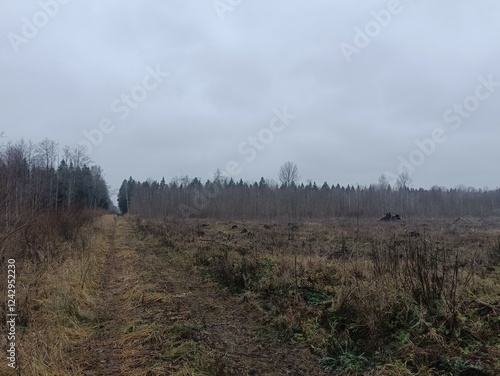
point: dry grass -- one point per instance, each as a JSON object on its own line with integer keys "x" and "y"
{"x": 137, "y": 297}
{"x": 55, "y": 304}
{"x": 374, "y": 298}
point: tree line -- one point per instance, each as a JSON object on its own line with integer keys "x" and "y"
{"x": 43, "y": 176}
{"x": 225, "y": 198}
{"x": 43, "y": 189}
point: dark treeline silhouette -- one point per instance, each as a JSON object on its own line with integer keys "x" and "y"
{"x": 43, "y": 193}
{"x": 36, "y": 176}
{"x": 224, "y": 198}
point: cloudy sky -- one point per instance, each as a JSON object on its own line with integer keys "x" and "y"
{"x": 348, "y": 90}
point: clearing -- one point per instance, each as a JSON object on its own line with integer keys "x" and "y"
{"x": 158, "y": 316}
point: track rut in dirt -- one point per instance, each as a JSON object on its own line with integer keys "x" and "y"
{"x": 158, "y": 316}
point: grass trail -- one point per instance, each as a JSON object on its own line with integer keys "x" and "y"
{"x": 157, "y": 316}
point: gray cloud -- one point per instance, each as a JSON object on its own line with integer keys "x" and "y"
{"x": 353, "y": 120}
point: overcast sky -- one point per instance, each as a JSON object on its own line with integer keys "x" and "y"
{"x": 182, "y": 87}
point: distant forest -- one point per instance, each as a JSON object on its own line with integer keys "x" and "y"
{"x": 43, "y": 176}
{"x": 46, "y": 194}
{"x": 224, "y": 198}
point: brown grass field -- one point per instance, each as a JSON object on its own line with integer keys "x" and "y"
{"x": 343, "y": 297}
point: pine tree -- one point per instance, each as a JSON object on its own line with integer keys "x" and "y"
{"x": 123, "y": 197}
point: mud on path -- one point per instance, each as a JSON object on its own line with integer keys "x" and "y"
{"x": 157, "y": 316}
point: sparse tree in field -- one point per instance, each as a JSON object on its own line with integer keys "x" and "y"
{"x": 383, "y": 183}
{"x": 404, "y": 181}
{"x": 218, "y": 176}
{"x": 288, "y": 174}
{"x": 406, "y": 201}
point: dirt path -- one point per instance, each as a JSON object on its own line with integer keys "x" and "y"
{"x": 159, "y": 317}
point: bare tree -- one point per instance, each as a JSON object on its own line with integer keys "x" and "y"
{"x": 47, "y": 153}
{"x": 288, "y": 174}
{"x": 185, "y": 180}
{"x": 78, "y": 156}
{"x": 404, "y": 181}
{"x": 271, "y": 183}
{"x": 219, "y": 178}
{"x": 383, "y": 183}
